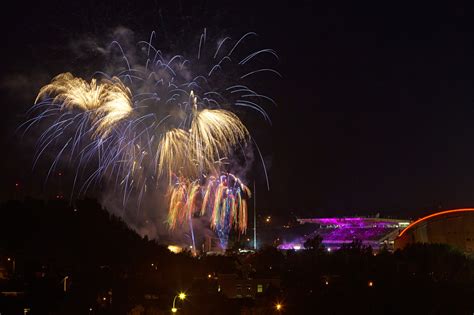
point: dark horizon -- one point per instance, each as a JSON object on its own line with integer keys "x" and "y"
{"x": 374, "y": 108}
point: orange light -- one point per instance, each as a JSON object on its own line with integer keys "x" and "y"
{"x": 434, "y": 215}
{"x": 278, "y": 306}
{"x": 371, "y": 284}
{"x": 174, "y": 249}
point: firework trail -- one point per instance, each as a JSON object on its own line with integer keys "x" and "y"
{"x": 108, "y": 101}
{"x": 224, "y": 197}
{"x": 168, "y": 118}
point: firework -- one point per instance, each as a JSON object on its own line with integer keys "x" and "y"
{"x": 224, "y": 197}
{"x": 170, "y": 118}
{"x": 109, "y": 101}
{"x": 174, "y": 154}
{"x": 183, "y": 196}
{"x": 214, "y": 133}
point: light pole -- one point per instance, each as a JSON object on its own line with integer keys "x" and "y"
{"x": 13, "y": 263}
{"x": 65, "y": 283}
{"x": 254, "y": 216}
{"x": 181, "y": 296}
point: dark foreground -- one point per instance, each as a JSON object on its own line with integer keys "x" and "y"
{"x": 54, "y": 260}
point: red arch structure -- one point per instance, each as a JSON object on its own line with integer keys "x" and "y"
{"x": 432, "y": 216}
{"x": 453, "y": 227}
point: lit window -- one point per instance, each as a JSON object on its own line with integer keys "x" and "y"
{"x": 259, "y": 288}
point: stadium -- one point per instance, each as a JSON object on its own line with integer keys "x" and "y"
{"x": 452, "y": 227}
{"x": 335, "y": 232}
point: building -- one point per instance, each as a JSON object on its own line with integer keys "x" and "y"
{"x": 234, "y": 287}
{"x": 452, "y": 227}
{"x": 335, "y": 232}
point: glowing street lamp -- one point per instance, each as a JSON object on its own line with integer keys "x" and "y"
{"x": 181, "y": 296}
{"x": 278, "y": 307}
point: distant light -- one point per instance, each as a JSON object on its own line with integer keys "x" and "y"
{"x": 371, "y": 284}
{"x": 327, "y": 282}
{"x": 278, "y": 306}
{"x": 104, "y": 298}
{"x": 296, "y": 247}
{"x": 329, "y": 249}
{"x": 152, "y": 264}
{"x": 174, "y": 249}
{"x": 209, "y": 276}
{"x": 174, "y": 310}
{"x": 9, "y": 259}
{"x": 182, "y": 295}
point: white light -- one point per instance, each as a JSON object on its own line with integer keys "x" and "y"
{"x": 296, "y": 247}
{"x": 329, "y": 249}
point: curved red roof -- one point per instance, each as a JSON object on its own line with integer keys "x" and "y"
{"x": 434, "y": 215}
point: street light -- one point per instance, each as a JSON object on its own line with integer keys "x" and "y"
{"x": 181, "y": 296}
{"x": 278, "y": 307}
{"x": 13, "y": 263}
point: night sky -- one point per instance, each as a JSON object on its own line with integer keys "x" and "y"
{"x": 375, "y": 106}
